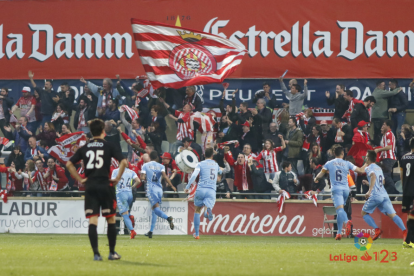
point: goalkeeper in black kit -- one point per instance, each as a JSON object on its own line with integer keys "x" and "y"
{"x": 407, "y": 179}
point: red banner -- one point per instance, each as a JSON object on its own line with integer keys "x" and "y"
{"x": 93, "y": 39}
{"x": 297, "y": 219}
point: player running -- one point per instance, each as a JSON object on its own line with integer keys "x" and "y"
{"x": 206, "y": 189}
{"x": 99, "y": 190}
{"x": 407, "y": 179}
{"x": 377, "y": 196}
{"x": 338, "y": 175}
{"x": 124, "y": 196}
{"x": 152, "y": 173}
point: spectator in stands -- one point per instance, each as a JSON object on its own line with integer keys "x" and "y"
{"x": 286, "y": 179}
{"x": 156, "y": 135}
{"x": 112, "y": 134}
{"x": 387, "y": 147}
{"x": 66, "y": 129}
{"x": 307, "y": 121}
{"x": 193, "y": 99}
{"x": 314, "y": 153}
{"x": 155, "y": 117}
{"x": 294, "y": 142}
{"x": 5, "y": 104}
{"x": 341, "y": 105}
{"x": 60, "y": 117}
{"x": 16, "y": 156}
{"x": 222, "y": 187}
{"x": 104, "y": 93}
{"x": 343, "y": 132}
{"x": 56, "y": 173}
{"x": 39, "y": 177}
{"x": 28, "y": 172}
{"x": 264, "y": 113}
{"x": 66, "y": 97}
{"x": 248, "y": 137}
{"x": 268, "y": 157}
{"x": 397, "y": 105}
{"x": 189, "y": 144}
{"x": 38, "y": 109}
{"x": 230, "y": 110}
{"x": 294, "y": 96}
{"x": 35, "y": 152}
{"x": 266, "y": 95}
{"x": 14, "y": 182}
{"x": 27, "y": 104}
{"x": 48, "y": 98}
{"x": 242, "y": 176}
{"x": 361, "y": 111}
{"x": 131, "y": 97}
{"x": 244, "y": 113}
{"x": 307, "y": 182}
{"x": 21, "y": 134}
{"x": 260, "y": 183}
{"x": 82, "y": 116}
{"x": 172, "y": 171}
{"x": 247, "y": 151}
{"x": 380, "y": 110}
{"x": 349, "y": 97}
{"x": 48, "y": 134}
{"x": 316, "y": 136}
{"x": 182, "y": 120}
{"x": 404, "y": 141}
{"x": 90, "y": 98}
{"x": 112, "y": 112}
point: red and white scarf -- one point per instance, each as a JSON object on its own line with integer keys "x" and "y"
{"x": 3, "y": 195}
{"x": 193, "y": 190}
{"x": 339, "y": 139}
{"x": 33, "y": 152}
{"x": 61, "y": 114}
{"x": 222, "y": 145}
{"x": 245, "y": 184}
{"x": 106, "y": 96}
{"x": 283, "y": 195}
{"x": 82, "y": 122}
{"x": 132, "y": 113}
{"x": 313, "y": 197}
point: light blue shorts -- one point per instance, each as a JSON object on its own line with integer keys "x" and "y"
{"x": 123, "y": 199}
{"x": 339, "y": 197}
{"x": 205, "y": 197}
{"x": 155, "y": 195}
{"x": 383, "y": 203}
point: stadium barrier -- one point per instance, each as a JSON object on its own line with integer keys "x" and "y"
{"x": 57, "y": 215}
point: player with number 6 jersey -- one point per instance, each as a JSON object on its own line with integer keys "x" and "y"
{"x": 377, "y": 197}
{"x": 99, "y": 189}
{"x": 407, "y": 179}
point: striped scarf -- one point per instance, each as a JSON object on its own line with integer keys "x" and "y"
{"x": 132, "y": 113}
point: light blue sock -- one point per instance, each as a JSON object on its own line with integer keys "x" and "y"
{"x": 153, "y": 221}
{"x": 368, "y": 219}
{"x": 160, "y": 213}
{"x": 341, "y": 218}
{"x": 197, "y": 223}
{"x": 128, "y": 222}
{"x": 397, "y": 220}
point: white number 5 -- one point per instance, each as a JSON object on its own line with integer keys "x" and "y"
{"x": 99, "y": 161}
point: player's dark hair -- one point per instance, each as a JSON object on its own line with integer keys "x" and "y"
{"x": 209, "y": 152}
{"x": 285, "y": 164}
{"x": 298, "y": 87}
{"x": 96, "y": 127}
{"x": 370, "y": 99}
{"x": 153, "y": 155}
{"x": 412, "y": 143}
{"x": 372, "y": 156}
{"x": 388, "y": 123}
{"x": 349, "y": 93}
{"x": 338, "y": 151}
{"x": 294, "y": 121}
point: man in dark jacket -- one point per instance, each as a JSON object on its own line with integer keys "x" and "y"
{"x": 248, "y": 137}
{"x": 361, "y": 111}
{"x": 90, "y": 98}
{"x": 264, "y": 113}
{"x": 6, "y": 103}
{"x": 48, "y": 97}
{"x": 343, "y": 133}
{"x": 193, "y": 99}
{"x": 397, "y": 105}
{"x": 82, "y": 116}
{"x": 341, "y": 105}
{"x": 244, "y": 113}
{"x": 66, "y": 97}
{"x": 260, "y": 184}
{"x": 266, "y": 95}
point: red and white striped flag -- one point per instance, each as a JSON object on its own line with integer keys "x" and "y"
{"x": 222, "y": 145}
{"x": 67, "y": 145}
{"x": 4, "y": 141}
{"x": 205, "y": 121}
{"x": 3, "y": 195}
{"x": 281, "y": 199}
{"x": 193, "y": 189}
{"x": 132, "y": 113}
{"x": 176, "y": 57}
{"x": 311, "y": 196}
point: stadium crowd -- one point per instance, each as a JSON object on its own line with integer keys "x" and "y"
{"x": 263, "y": 149}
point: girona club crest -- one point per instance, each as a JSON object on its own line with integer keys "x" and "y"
{"x": 191, "y": 60}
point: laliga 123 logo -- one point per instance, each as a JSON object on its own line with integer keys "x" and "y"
{"x": 363, "y": 241}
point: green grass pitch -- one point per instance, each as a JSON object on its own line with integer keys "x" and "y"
{"x": 22, "y": 254}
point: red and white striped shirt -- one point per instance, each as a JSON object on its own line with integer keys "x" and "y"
{"x": 388, "y": 139}
{"x": 269, "y": 160}
{"x": 40, "y": 177}
{"x": 184, "y": 129}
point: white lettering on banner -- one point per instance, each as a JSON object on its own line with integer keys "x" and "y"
{"x": 328, "y": 231}
{"x": 118, "y": 44}
{"x": 255, "y": 224}
{"x": 322, "y": 42}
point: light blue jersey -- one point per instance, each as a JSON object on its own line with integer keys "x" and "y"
{"x": 124, "y": 185}
{"x": 378, "y": 189}
{"x": 338, "y": 173}
{"x": 208, "y": 170}
{"x": 153, "y": 171}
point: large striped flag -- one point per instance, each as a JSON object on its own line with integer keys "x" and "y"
{"x": 67, "y": 145}
{"x": 176, "y": 57}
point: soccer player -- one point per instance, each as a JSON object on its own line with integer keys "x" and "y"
{"x": 407, "y": 179}
{"x": 124, "y": 196}
{"x": 99, "y": 189}
{"x": 377, "y": 196}
{"x": 152, "y": 173}
{"x": 338, "y": 175}
{"x": 206, "y": 189}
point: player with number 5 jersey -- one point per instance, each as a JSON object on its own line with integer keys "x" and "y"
{"x": 153, "y": 172}
{"x": 338, "y": 173}
{"x": 377, "y": 197}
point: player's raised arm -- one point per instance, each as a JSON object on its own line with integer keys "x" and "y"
{"x": 193, "y": 177}
{"x": 167, "y": 179}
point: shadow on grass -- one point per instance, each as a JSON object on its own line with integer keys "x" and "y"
{"x": 121, "y": 262}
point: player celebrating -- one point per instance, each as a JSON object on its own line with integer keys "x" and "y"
{"x": 124, "y": 196}
{"x": 99, "y": 191}
{"x": 377, "y": 196}
{"x": 152, "y": 173}
{"x": 206, "y": 189}
{"x": 407, "y": 179}
{"x": 338, "y": 175}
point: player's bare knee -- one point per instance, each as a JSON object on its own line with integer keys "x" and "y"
{"x": 339, "y": 207}
{"x": 198, "y": 210}
{"x": 363, "y": 213}
{"x": 411, "y": 215}
{"x": 125, "y": 213}
{"x": 93, "y": 220}
{"x": 155, "y": 206}
{"x": 110, "y": 220}
{"x": 391, "y": 215}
